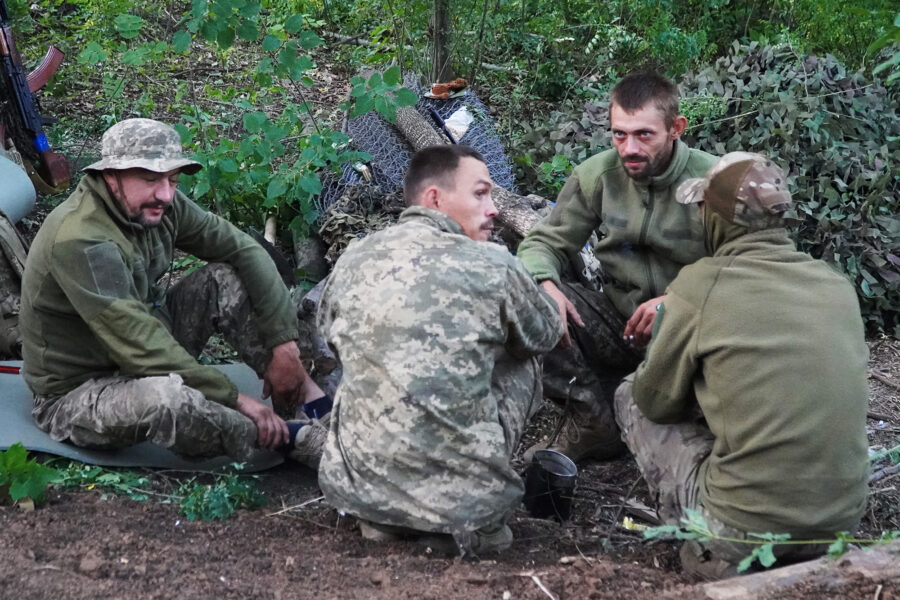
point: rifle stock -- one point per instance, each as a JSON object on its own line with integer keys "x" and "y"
{"x": 44, "y": 71}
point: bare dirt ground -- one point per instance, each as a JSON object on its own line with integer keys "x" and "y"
{"x": 80, "y": 545}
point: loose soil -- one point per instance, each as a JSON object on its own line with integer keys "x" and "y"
{"x": 84, "y": 545}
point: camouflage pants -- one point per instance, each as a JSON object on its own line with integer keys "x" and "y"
{"x": 597, "y": 362}
{"x": 669, "y": 457}
{"x": 114, "y": 412}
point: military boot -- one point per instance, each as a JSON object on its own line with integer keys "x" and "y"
{"x": 584, "y": 434}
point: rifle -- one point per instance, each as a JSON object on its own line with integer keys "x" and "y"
{"x": 24, "y": 119}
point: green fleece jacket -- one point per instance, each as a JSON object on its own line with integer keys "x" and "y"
{"x": 645, "y": 237}
{"x": 770, "y": 343}
{"x": 92, "y": 305}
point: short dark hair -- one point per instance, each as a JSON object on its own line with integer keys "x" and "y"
{"x": 636, "y": 90}
{"x": 434, "y": 164}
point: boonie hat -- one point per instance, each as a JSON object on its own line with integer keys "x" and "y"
{"x": 746, "y": 189}
{"x": 145, "y": 144}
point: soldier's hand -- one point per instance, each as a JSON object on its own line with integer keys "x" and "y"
{"x": 567, "y": 311}
{"x": 272, "y": 431}
{"x": 284, "y": 377}
{"x": 640, "y": 325}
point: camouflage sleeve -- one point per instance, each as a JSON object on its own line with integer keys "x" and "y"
{"x": 563, "y": 233}
{"x": 531, "y": 317}
{"x": 663, "y": 383}
{"x": 100, "y": 287}
{"x": 214, "y": 239}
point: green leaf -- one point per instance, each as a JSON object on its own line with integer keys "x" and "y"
{"x": 134, "y": 57}
{"x": 270, "y": 43}
{"x": 363, "y": 105}
{"x": 92, "y": 54}
{"x": 309, "y": 40}
{"x": 225, "y": 38}
{"x": 405, "y": 97}
{"x": 228, "y": 165}
{"x": 254, "y": 121}
{"x": 311, "y": 184}
{"x": 181, "y": 41}
{"x": 128, "y": 26}
{"x": 766, "y": 555}
{"x": 375, "y": 80}
{"x": 248, "y": 31}
{"x": 392, "y": 76}
{"x": 277, "y": 187}
{"x": 294, "y": 24}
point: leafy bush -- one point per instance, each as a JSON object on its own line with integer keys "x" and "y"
{"x": 218, "y": 500}
{"x": 837, "y": 135}
{"x": 21, "y": 477}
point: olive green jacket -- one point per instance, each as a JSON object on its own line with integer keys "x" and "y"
{"x": 770, "y": 343}
{"x": 644, "y": 236}
{"x": 92, "y": 305}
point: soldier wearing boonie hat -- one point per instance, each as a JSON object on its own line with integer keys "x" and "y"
{"x": 768, "y": 343}
{"x": 144, "y": 144}
{"x": 110, "y": 349}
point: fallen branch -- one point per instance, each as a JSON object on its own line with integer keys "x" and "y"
{"x": 879, "y": 564}
{"x": 882, "y": 473}
{"x": 885, "y": 379}
{"x": 301, "y": 505}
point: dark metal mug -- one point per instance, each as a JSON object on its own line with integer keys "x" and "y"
{"x": 550, "y": 485}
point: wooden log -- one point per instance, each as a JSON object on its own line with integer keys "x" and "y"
{"x": 879, "y": 564}
{"x": 516, "y": 211}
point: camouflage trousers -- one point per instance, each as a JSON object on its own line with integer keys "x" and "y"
{"x": 585, "y": 376}
{"x": 669, "y": 457}
{"x": 115, "y": 412}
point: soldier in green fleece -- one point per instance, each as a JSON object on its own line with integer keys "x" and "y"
{"x": 626, "y": 197}
{"x": 110, "y": 349}
{"x": 751, "y": 404}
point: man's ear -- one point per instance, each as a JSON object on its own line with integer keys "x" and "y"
{"x": 678, "y": 127}
{"x": 109, "y": 176}
{"x": 430, "y": 198}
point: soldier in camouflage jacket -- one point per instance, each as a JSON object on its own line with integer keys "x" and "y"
{"x": 439, "y": 334}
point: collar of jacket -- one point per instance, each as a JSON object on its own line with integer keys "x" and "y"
{"x": 96, "y": 186}
{"x": 765, "y": 239}
{"x": 675, "y": 169}
{"x": 434, "y": 217}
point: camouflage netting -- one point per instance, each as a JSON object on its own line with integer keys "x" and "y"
{"x": 348, "y": 211}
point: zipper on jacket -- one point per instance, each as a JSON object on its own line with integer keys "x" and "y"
{"x": 643, "y": 238}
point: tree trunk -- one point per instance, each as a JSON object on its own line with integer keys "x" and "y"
{"x": 440, "y": 30}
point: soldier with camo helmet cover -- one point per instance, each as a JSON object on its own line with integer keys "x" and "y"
{"x": 750, "y": 406}
{"x": 111, "y": 352}
{"x": 439, "y": 334}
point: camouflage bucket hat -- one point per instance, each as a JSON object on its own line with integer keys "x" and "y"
{"x": 145, "y": 144}
{"x": 746, "y": 189}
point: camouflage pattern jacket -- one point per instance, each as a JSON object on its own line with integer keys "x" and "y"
{"x": 644, "y": 235}
{"x": 92, "y": 304}
{"x": 435, "y": 332}
{"x": 770, "y": 343}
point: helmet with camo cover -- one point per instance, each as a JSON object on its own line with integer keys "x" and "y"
{"x": 144, "y": 144}
{"x": 744, "y": 188}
